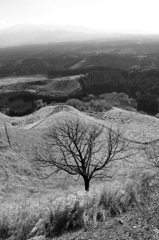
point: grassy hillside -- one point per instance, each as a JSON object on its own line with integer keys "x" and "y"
{"x": 26, "y": 198}
{"x": 25, "y": 134}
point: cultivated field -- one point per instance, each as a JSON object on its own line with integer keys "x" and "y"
{"x": 63, "y": 85}
{"x": 15, "y": 80}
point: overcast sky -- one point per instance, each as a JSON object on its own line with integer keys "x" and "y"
{"x": 110, "y": 15}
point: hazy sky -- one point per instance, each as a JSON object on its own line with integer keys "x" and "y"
{"x": 114, "y": 15}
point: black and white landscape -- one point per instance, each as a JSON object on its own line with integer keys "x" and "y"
{"x": 79, "y": 117}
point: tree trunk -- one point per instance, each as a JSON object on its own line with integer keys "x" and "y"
{"x": 86, "y": 184}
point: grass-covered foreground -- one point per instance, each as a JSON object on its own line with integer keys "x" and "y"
{"x": 113, "y": 210}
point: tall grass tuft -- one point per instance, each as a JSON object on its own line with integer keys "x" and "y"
{"x": 118, "y": 199}
{"x": 4, "y": 228}
{"x": 69, "y": 218}
{"x": 18, "y": 219}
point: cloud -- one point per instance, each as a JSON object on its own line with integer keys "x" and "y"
{"x": 3, "y": 24}
{"x": 3, "y": 21}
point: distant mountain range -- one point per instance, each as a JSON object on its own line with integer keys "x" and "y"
{"x": 41, "y": 34}
{"x": 22, "y": 34}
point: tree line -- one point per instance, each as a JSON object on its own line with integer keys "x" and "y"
{"x": 141, "y": 85}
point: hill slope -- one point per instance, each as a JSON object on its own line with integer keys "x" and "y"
{"x": 16, "y": 171}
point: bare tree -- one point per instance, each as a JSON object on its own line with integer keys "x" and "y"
{"x": 83, "y": 149}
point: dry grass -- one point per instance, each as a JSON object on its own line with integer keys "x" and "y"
{"x": 138, "y": 127}
{"x": 26, "y": 135}
{"x": 21, "y": 213}
{"x": 120, "y": 206}
{"x": 56, "y": 213}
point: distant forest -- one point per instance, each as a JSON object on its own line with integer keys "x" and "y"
{"x": 141, "y": 85}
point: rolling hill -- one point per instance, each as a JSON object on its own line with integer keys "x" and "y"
{"x": 16, "y": 171}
